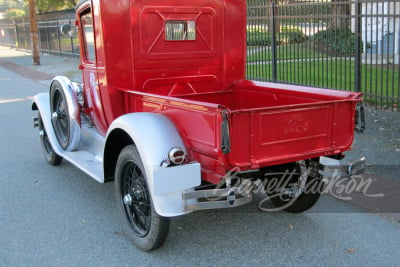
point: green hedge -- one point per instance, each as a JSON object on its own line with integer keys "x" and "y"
{"x": 291, "y": 35}
{"x": 340, "y": 41}
{"x": 261, "y": 37}
{"x": 258, "y": 36}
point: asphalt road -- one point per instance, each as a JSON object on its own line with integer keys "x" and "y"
{"x": 58, "y": 216}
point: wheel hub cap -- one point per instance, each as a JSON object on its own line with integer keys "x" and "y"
{"x": 128, "y": 199}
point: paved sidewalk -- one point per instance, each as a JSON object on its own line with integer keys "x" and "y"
{"x": 380, "y": 143}
{"x": 51, "y": 66}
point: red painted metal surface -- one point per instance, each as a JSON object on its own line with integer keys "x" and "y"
{"x": 194, "y": 81}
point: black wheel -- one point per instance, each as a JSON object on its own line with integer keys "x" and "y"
{"x": 294, "y": 187}
{"x": 51, "y": 157}
{"x": 59, "y": 114}
{"x": 144, "y": 227}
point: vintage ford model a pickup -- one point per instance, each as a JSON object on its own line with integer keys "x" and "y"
{"x": 165, "y": 112}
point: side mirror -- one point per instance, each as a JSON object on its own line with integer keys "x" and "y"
{"x": 67, "y": 29}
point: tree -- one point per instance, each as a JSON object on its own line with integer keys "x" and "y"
{"x": 340, "y": 14}
{"x": 72, "y": 2}
{"x": 34, "y": 32}
{"x": 54, "y": 5}
{"x": 7, "y": 4}
{"x": 14, "y": 13}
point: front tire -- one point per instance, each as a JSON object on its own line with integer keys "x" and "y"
{"x": 51, "y": 156}
{"x": 144, "y": 227}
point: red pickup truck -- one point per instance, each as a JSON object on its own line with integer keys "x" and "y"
{"x": 165, "y": 111}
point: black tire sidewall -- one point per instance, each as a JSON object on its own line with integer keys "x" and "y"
{"x": 56, "y": 86}
{"x": 305, "y": 200}
{"x": 159, "y": 225}
{"x": 302, "y": 203}
{"x": 51, "y": 157}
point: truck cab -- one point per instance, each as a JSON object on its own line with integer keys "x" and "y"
{"x": 158, "y": 47}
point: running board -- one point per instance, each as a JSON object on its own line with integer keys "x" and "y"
{"x": 89, "y": 156}
{"x": 87, "y": 162}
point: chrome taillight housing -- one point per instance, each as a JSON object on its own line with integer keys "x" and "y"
{"x": 177, "y": 155}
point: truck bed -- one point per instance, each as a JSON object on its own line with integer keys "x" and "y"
{"x": 269, "y": 123}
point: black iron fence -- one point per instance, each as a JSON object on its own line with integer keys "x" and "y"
{"x": 339, "y": 44}
{"x": 342, "y": 44}
{"x": 57, "y": 35}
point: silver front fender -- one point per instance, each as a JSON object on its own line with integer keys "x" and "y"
{"x": 41, "y": 102}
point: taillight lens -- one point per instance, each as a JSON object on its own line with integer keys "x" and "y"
{"x": 177, "y": 156}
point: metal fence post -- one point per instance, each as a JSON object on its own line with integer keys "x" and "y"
{"x": 16, "y": 34}
{"x": 358, "y": 48}
{"x": 71, "y": 40}
{"x": 40, "y": 39}
{"x": 58, "y": 37}
{"x": 273, "y": 37}
{"x": 27, "y": 37}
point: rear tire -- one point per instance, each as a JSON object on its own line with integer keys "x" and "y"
{"x": 143, "y": 226}
{"x": 289, "y": 180}
{"x": 51, "y": 157}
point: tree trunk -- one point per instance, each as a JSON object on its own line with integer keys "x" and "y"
{"x": 341, "y": 14}
{"x": 34, "y": 32}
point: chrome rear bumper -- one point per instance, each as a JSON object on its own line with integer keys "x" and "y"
{"x": 215, "y": 199}
{"x": 333, "y": 168}
{"x": 237, "y": 196}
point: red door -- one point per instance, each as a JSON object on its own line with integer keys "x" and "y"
{"x": 91, "y": 70}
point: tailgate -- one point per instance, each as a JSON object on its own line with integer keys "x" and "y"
{"x": 288, "y": 133}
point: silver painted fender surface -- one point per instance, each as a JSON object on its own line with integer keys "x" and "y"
{"x": 74, "y": 116}
{"x": 154, "y": 135}
{"x": 90, "y": 163}
{"x": 42, "y": 103}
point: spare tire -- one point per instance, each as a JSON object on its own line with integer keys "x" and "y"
{"x": 65, "y": 116}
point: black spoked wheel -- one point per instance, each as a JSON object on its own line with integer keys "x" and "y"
{"x": 146, "y": 229}
{"x": 51, "y": 157}
{"x": 136, "y": 199}
{"x": 294, "y": 187}
{"x": 59, "y": 114}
